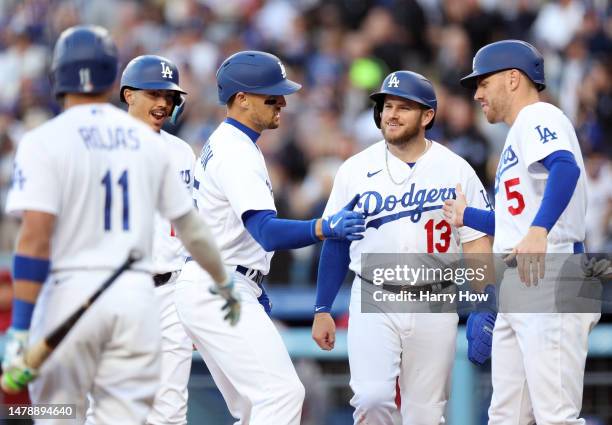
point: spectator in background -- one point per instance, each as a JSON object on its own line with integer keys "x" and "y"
{"x": 462, "y": 137}
{"x": 599, "y": 203}
{"x": 454, "y": 55}
{"x": 557, "y": 23}
{"x": 339, "y": 50}
{"x": 594, "y": 119}
{"x": 22, "y": 61}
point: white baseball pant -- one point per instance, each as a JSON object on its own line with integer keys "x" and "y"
{"x": 417, "y": 347}
{"x": 170, "y": 405}
{"x": 248, "y": 362}
{"x": 538, "y": 359}
{"x": 112, "y": 352}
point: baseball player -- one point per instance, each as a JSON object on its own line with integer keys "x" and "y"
{"x": 87, "y": 184}
{"x": 233, "y": 193}
{"x": 403, "y": 181}
{"x": 150, "y": 87}
{"x": 538, "y": 360}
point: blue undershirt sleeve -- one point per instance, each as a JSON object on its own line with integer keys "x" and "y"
{"x": 274, "y": 233}
{"x": 563, "y": 174}
{"x": 333, "y": 266}
{"x": 481, "y": 220}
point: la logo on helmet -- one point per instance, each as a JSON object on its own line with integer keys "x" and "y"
{"x": 282, "y": 67}
{"x": 166, "y": 70}
{"x": 393, "y": 81}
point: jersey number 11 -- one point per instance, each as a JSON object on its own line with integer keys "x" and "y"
{"x": 107, "y": 181}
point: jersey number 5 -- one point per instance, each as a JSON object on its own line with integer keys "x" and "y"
{"x": 445, "y": 236}
{"x": 107, "y": 182}
{"x": 514, "y": 195}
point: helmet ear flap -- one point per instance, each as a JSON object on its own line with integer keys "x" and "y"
{"x": 377, "y": 113}
{"x": 177, "y": 109}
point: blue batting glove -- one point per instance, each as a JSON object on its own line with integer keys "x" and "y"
{"x": 345, "y": 224}
{"x": 232, "y": 298}
{"x": 15, "y": 373}
{"x": 490, "y": 303}
{"x": 479, "y": 333}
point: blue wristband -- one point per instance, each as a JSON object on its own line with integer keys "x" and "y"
{"x": 30, "y": 268}
{"x": 321, "y": 309}
{"x": 21, "y": 314}
{"x": 481, "y": 220}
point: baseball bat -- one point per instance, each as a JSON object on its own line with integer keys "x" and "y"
{"x": 36, "y": 355}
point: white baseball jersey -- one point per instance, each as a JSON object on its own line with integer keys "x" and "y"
{"x": 230, "y": 179}
{"x": 168, "y": 251}
{"x": 408, "y": 217}
{"x": 102, "y": 173}
{"x": 539, "y": 130}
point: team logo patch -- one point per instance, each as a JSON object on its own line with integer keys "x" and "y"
{"x": 186, "y": 176}
{"x": 206, "y": 155}
{"x": 393, "y": 81}
{"x": 18, "y": 179}
{"x": 545, "y": 134}
{"x": 486, "y": 199}
{"x": 166, "y": 71}
{"x": 282, "y": 67}
{"x": 508, "y": 160}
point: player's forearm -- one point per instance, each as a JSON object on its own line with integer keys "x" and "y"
{"x": 333, "y": 266}
{"x": 274, "y": 233}
{"x": 199, "y": 241}
{"x": 477, "y": 257}
{"x": 481, "y": 220}
{"x": 31, "y": 265}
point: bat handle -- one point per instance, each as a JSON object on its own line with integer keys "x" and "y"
{"x": 37, "y": 354}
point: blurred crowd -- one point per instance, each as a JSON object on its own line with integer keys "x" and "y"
{"x": 340, "y": 50}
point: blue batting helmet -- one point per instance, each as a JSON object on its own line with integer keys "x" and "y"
{"x": 84, "y": 61}
{"x": 253, "y": 72}
{"x": 507, "y": 54}
{"x": 409, "y": 85}
{"x": 152, "y": 72}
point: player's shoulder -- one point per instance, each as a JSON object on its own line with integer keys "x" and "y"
{"x": 541, "y": 112}
{"x": 369, "y": 157}
{"x": 444, "y": 157}
{"x": 229, "y": 142}
{"x": 177, "y": 143}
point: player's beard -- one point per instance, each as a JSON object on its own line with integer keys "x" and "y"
{"x": 269, "y": 122}
{"x": 496, "y": 107}
{"x": 409, "y": 133}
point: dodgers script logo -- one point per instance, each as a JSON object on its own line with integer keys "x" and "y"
{"x": 508, "y": 160}
{"x": 166, "y": 71}
{"x": 373, "y": 203}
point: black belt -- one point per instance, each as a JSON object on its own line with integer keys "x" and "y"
{"x": 255, "y": 275}
{"x": 161, "y": 279}
{"x": 398, "y": 289}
